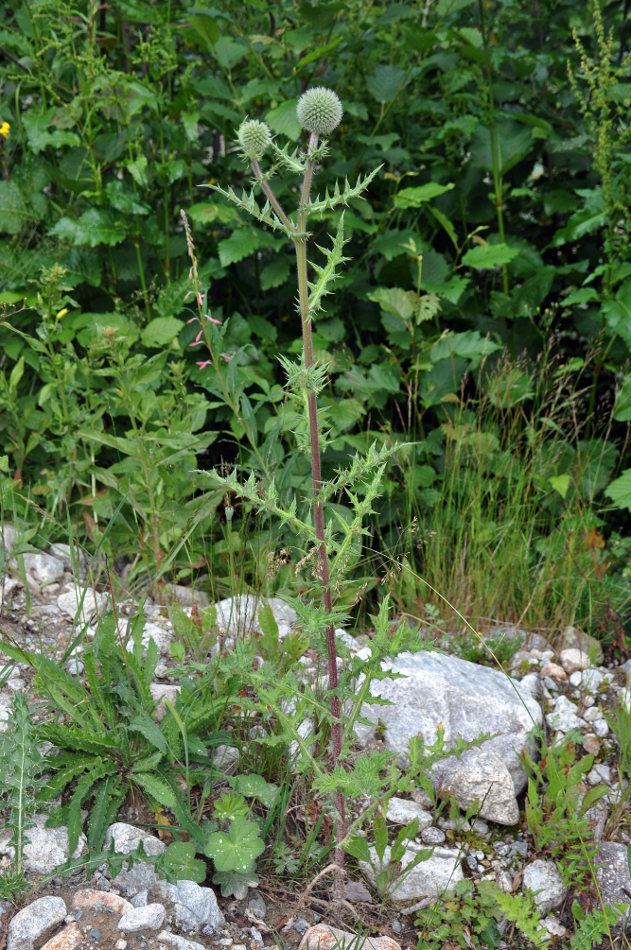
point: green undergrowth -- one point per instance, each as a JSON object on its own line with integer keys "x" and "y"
{"x": 434, "y": 446}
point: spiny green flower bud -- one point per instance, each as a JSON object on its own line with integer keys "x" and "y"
{"x": 254, "y": 137}
{"x": 319, "y": 110}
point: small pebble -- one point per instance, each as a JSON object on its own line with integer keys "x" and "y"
{"x": 432, "y": 836}
{"x": 591, "y": 744}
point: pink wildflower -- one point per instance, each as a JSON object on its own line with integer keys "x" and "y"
{"x": 204, "y": 363}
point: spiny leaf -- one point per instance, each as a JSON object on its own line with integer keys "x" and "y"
{"x": 327, "y": 274}
{"x": 247, "y": 202}
{"x": 329, "y": 202}
{"x": 107, "y": 800}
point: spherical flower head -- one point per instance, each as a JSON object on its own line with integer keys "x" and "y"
{"x": 319, "y": 110}
{"x": 254, "y": 137}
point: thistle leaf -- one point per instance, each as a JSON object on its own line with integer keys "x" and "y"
{"x": 327, "y": 274}
{"x": 331, "y": 201}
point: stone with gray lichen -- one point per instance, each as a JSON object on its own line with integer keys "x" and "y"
{"x": 468, "y": 700}
{"x": 546, "y": 884}
{"x": 34, "y": 923}
{"x": 47, "y": 848}
{"x": 43, "y": 568}
{"x": 440, "y": 872}
{"x": 141, "y": 875}
{"x": 166, "y": 939}
{"x": 239, "y": 615}
{"x": 400, "y": 811}
{"x": 614, "y": 880}
{"x": 194, "y": 906}
{"x": 147, "y": 917}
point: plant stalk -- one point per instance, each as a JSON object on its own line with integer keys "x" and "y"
{"x": 298, "y": 236}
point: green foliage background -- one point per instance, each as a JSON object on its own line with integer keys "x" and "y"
{"x": 485, "y": 309}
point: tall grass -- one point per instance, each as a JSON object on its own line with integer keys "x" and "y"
{"x": 511, "y": 528}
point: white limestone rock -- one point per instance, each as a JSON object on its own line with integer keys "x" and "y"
{"x": 468, "y": 700}
{"x": 546, "y": 883}
{"x": 439, "y": 873}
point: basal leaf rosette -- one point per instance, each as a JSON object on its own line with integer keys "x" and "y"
{"x": 319, "y": 110}
{"x": 254, "y": 137}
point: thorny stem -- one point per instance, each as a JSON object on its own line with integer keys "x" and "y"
{"x": 298, "y": 235}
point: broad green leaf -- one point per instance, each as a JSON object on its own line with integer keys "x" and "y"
{"x": 394, "y": 300}
{"x": 622, "y": 408}
{"x": 445, "y": 7}
{"x": 239, "y": 245}
{"x": 204, "y": 213}
{"x": 275, "y": 273}
{"x": 283, "y": 119}
{"x": 512, "y": 142}
{"x": 415, "y": 197}
{"x": 123, "y": 200}
{"x": 385, "y": 376}
{"x": 180, "y": 862}
{"x": 161, "y": 331}
{"x": 190, "y": 121}
{"x": 204, "y": 25}
{"x": 255, "y": 786}
{"x": 489, "y": 255}
{"x": 14, "y": 213}
{"x": 238, "y": 849}
{"x": 94, "y": 227}
{"x": 235, "y": 883}
{"x": 469, "y": 344}
{"x": 358, "y": 848}
{"x": 620, "y": 490}
{"x": 40, "y": 136}
{"x": 229, "y": 52}
{"x": 560, "y": 484}
{"x": 385, "y": 82}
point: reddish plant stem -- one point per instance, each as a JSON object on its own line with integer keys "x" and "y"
{"x": 298, "y": 234}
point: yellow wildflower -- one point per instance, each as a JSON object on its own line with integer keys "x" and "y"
{"x": 4, "y": 130}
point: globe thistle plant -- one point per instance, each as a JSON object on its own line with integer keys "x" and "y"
{"x": 254, "y": 138}
{"x": 319, "y": 112}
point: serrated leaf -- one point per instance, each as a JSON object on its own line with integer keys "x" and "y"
{"x": 238, "y": 849}
{"x": 267, "y": 622}
{"x": 156, "y": 788}
{"x": 358, "y": 848}
{"x": 255, "y": 786}
{"x": 180, "y": 862}
{"x": 620, "y": 490}
{"x": 94, "y": 227}
{"x": 394, "y": 300}
{"x": 384, "y": 83}
{"x": 161, "y": 331}
{"x": 415, "y": 197}
{"x": 284, "y": 119}
{"x": 235, "y": 883}
{"x": 238, "y": 246}
{"x": 229, "y": 52}
{"x": 150, "y": 730}
{"x": 14, "y": 213}
{"x": 622, "y": 408}
{"x": 275, "y": 273}
{"x": 489, "y": 255}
